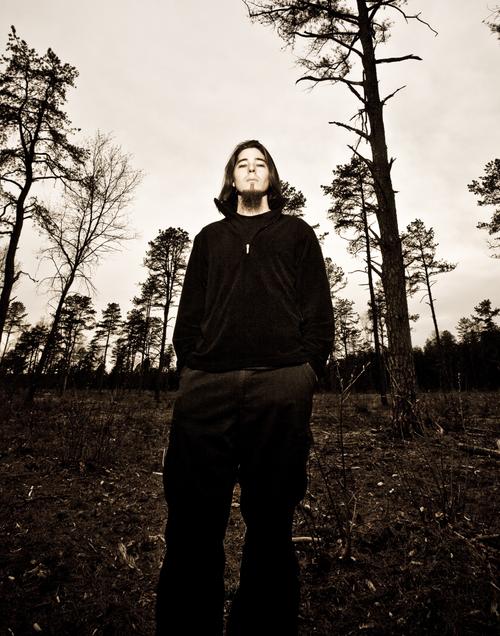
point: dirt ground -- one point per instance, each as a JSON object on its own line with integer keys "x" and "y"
{"x": 393, "y": 537}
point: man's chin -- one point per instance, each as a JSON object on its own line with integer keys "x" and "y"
{"x": 252, "y": 198}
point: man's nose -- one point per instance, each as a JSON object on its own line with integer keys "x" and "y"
{"x": 251, "y": 168}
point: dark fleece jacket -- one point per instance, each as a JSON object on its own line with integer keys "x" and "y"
{"x": 260, "y": 304}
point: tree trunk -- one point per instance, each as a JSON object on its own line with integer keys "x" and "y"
{"x": 146, "y": 342}
{"x": 9, "y": 277}
{"x": 31, "y": 361}
{"x": 9, "y": 264}
{"x": 49, "y": 343}
{"x": 401, "y": 365}
{"x": 382, "y": 333}
{"x": 105, "y": 355}
{"x": 378, "y": 353}
{"x": 444, "y": 379}
{"x": 67, "y": 366}
{"x": 161, "y": 363}
{"x": 431, "y": 304}
{"x": 6, "y": 345}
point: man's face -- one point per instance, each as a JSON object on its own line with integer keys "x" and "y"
{"x": 251, "y": 172}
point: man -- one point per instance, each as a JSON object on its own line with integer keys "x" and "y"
{"x": 253, "y": 332}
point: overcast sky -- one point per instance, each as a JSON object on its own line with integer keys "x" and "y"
{"x": 180, "y": 82}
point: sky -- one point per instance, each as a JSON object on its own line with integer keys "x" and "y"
{"x": 179, "y": 83}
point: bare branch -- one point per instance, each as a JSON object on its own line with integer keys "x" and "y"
{"x": 390, "y": 4}
{"x": 328, "y": 78}
{"x": 330, "y": 35}
{"x": 386, "y": 99}
{"x": 34, "y": 280}
{"x": 352, "y": 129}
{"x": 389, "y": 60}
{"x": 13, "y": 182}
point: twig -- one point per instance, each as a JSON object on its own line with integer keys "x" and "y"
{"x": 480, "y": 450}
{"x": 306, "y": 539}
{"x": 488, "y": 537}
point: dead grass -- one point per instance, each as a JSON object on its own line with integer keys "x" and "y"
{"x": 399, "y": 538}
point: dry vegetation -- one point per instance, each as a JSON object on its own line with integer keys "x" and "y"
{"x": 394, "y": 537}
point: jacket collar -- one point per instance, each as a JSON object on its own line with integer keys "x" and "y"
{"x": 228, "y": 211}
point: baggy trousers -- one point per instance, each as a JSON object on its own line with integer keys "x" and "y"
{"x": 250, "y": 426}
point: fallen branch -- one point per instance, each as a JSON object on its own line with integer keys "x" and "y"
{"x": 489, "y": 538}
{"x": 480, "y": 450}
{"x": 305, "y": 539}
{"x": 481, "y": 547}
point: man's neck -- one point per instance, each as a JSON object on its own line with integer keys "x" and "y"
{"x": 253, "y": 211}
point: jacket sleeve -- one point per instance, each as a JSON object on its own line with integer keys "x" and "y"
{"x": 315, "y": 303}
{"x": 192, "y": 305}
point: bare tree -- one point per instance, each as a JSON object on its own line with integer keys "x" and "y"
{"x": 35, "y": 138}
{"x": 342, "y": 36}
{"x": 90, "y": 223}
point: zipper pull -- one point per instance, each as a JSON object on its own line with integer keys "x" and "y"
{"x": 247, "y": 248}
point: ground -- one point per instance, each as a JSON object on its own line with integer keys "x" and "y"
{"x": 394, "y": 537}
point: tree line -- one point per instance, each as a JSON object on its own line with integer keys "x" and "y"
{"x": 123, "y": 352}
{"x": 96, "y": 182}
{"x": 112, "y": 351}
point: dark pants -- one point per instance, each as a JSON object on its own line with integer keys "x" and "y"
{"x": 250, "y": 426}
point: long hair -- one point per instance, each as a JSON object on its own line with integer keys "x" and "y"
{"x": 228, "y": 197}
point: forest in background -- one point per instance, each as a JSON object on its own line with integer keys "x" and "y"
{"x": 73, "y": 347}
